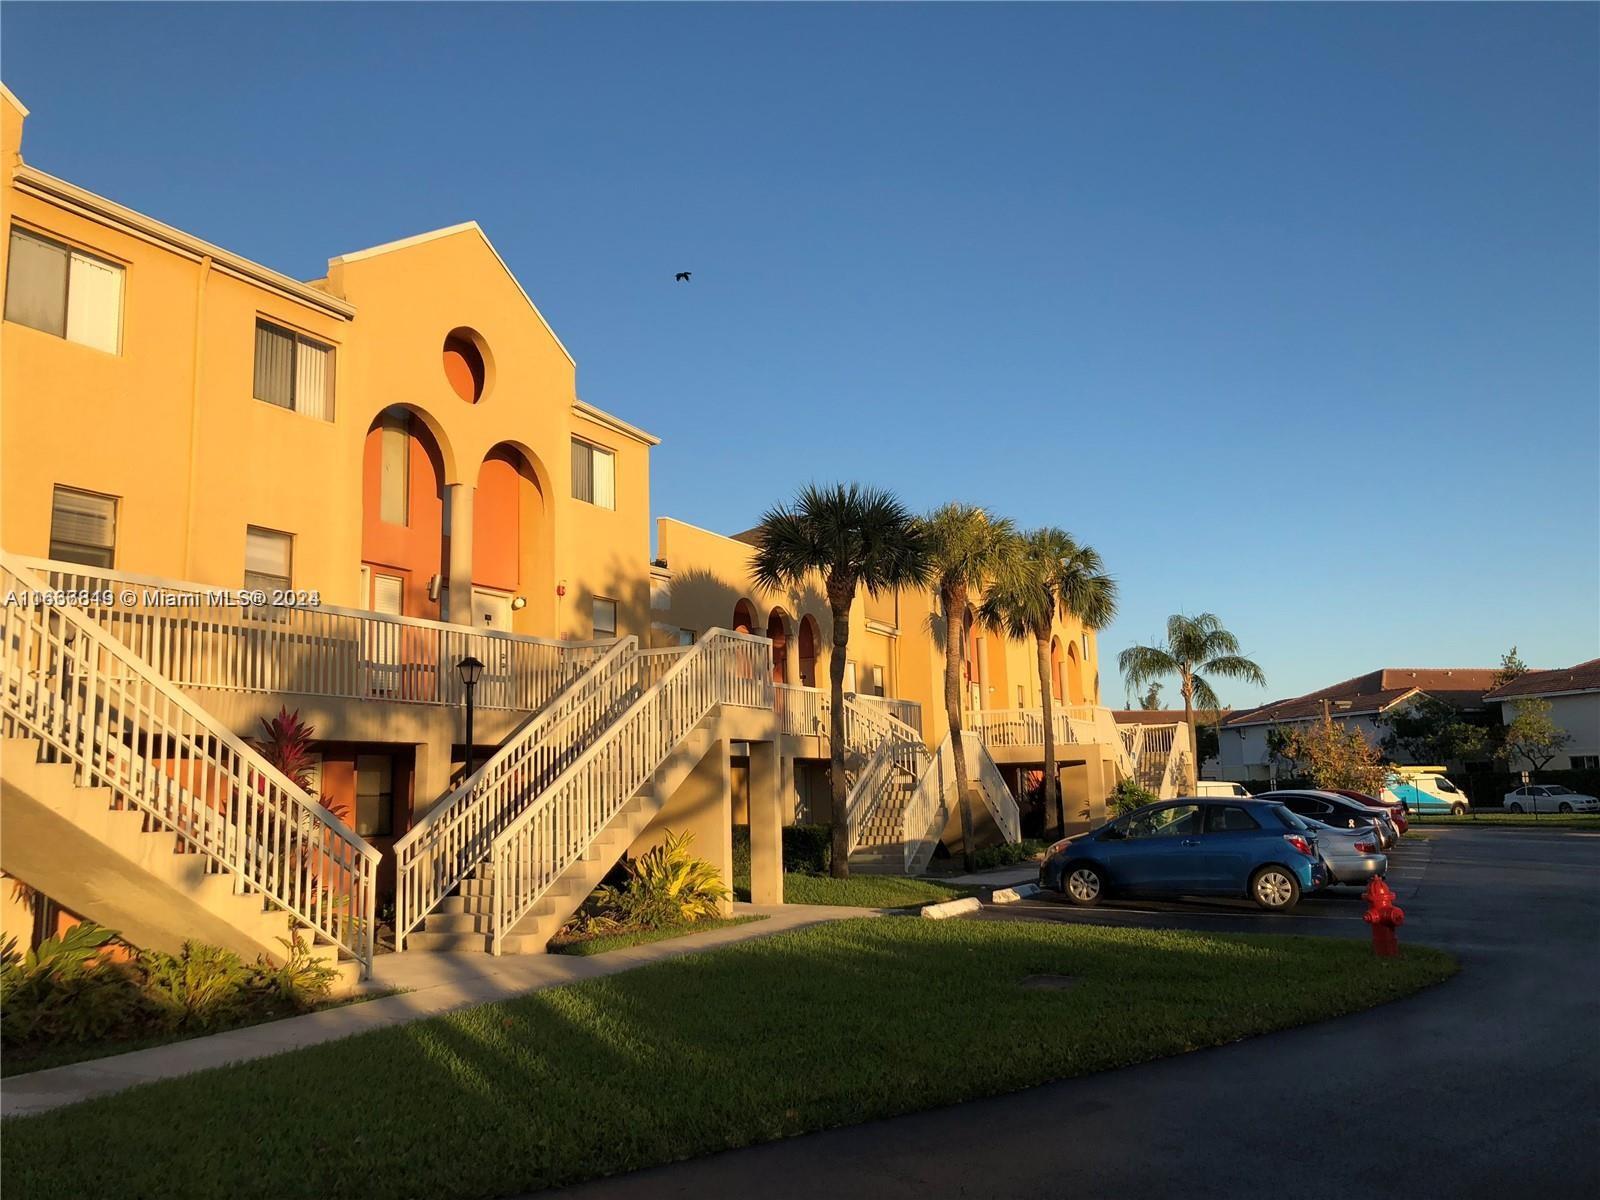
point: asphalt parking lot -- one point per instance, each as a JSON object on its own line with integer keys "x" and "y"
{"x": 1486, "y": 1086}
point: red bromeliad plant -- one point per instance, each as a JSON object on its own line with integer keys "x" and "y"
{"x": 288, "y": 747}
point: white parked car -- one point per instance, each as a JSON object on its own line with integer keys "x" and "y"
{"x": 1549, "y": 797}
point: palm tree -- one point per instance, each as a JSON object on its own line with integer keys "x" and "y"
{"x": 1049, "y": 574}
{"x": 1194, "y": 644}
{"x": 854, "y": 537}
{"x": 966, "y": 549}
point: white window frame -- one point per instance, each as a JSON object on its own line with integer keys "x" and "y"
{"x": 111, "y": 549}
{"x": 597, "y": 495}
{"x": 594, "y": 615}
{"x": 301, "y": 342}
{"x": 287, "y": 580}
{"x": 73, "y": 253}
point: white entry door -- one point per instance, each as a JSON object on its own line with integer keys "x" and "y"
{"x": 491, "y": 610}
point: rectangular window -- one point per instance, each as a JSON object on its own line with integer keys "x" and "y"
{"x": 293, "y": 372}
{"x": 594, "y": 474}
{"x": 374, "y": 795}
{"x": 849, "y": 676}
{"x": 83, "y": 527}
{"x": 268, "y": 559}
{"x": 56, "y": 289}
{"x": 394, "y": 473}
{"x": 1585, "y": 762}
{"x": 387, "y": 594}
{"x": 605, "y": 617}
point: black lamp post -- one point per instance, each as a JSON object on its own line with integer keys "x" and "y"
{"x": 470, "y": 669}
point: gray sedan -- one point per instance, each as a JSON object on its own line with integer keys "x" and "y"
{"x": 1351, "y": 855}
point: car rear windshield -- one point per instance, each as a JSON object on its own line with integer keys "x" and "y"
{"x": 1289, "y": 820}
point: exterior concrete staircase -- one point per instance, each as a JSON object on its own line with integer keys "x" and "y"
{"x": 554, "y": 832}
{"x": 111, "y": 864}
{"x": 129, "y": 804}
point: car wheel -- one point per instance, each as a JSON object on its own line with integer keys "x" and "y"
{"x": 1516, "y": 808}
{"x": 1565, "y": 807}
{"x": 1275, "y": 889}
{"x": 1083, "y": 885}
{"x": 1458, "y": 810}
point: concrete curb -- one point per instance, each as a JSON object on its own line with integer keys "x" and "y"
{"x": 951, "y": 908}
{"x": 1011, "y": 895}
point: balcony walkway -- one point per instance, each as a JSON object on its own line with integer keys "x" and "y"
{"x": 436, "y": 983}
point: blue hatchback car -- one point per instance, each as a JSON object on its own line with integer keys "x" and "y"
{"x": 1194, "y": 846}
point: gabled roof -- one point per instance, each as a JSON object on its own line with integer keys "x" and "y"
{"x": 433, "y": 235}
{"x": 1585, "y": 677}
{"x": 1375, "y": 692}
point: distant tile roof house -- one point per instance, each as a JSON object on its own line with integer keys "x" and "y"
{"x": 1585, "y": 677}
{"x": 1374, "y": 693}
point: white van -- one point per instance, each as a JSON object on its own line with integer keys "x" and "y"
{"x": 1217, "y": 787}
{"x": 1425, "y": 790}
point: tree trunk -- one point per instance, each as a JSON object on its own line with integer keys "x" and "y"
{"x": 1055, "y": 807}
{"x": 1191, "y": 776}
{"x": 839, "y": 601}
{"x": 955, "y": 645}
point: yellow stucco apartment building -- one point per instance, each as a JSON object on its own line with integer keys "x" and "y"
{"x": 226, "y": 492}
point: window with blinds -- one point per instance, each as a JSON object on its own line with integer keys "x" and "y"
{"x": 605, "y": 617}
{"x": 83, "y": 527}
{"x": 388, "y": 594}
{"x": 594, "y": 474}
{"x": 268, "y": 559}
{"x": 293, "y": 372}
{"x": 61, "y": 290}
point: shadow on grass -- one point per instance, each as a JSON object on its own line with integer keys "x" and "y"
{"x": 825, "y": 1026}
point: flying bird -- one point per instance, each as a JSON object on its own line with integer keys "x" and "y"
{"x": 681, "y": 277}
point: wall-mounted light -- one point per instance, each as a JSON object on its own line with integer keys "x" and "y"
{"x": 561, "y": 588}
{"x": 518, "y": 603}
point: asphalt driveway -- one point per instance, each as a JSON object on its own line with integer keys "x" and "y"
{"x": 1488, "y": 1086}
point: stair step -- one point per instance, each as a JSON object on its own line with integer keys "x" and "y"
{"x": 456, "y": 923}
{"x": 448, "y": 943}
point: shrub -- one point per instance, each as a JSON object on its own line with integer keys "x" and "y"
{"x": 666, "y": 886}
{"x": 807, "y": 849}
{"x": 68, "y": 991}
{"x": 1004, "y": 856}
{"x": 1128, "y": 795}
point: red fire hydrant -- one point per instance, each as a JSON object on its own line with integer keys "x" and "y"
{"x": 1385, "y": 916}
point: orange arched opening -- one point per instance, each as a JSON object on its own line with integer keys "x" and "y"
{"x": 1074, "y": 676}
{"x": 402, "y": 515}
{"x": 744, "y": 617}
{"x": 510, "y": 548}
{"x": 1055, "y": 669}
{"x": 778, "y": 631}
{"x": 464, "y": 366}
{"x": 808, "y": 651}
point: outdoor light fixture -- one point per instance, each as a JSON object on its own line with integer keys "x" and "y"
{"x": 470, "y": 669}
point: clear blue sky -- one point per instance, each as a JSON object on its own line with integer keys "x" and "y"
{"x": 1291, "y": 311}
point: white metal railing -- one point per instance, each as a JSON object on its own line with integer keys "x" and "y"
{"x": 928, "y": 810}
{"x": 997, "y": 797}
{"x": 907, "y": 712}
{"x": 1022, "y": 726}
{"x": 444, "y": 846}
{"x": 197, "y": 636}
{"x": 803, "y": 711}
{"x": 91, "y": 702}
{"x": 557, "y": 827}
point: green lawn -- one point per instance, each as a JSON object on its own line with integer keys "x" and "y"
{"x": 859, "y": 891}
{"x": 640, "y": 937}
{"x": 1494, "y": 818}
{"x": 825, "y": 1026}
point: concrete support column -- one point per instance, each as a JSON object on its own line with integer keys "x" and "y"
{"x": 431, "y": 775}
{"x": 766, "y": 824}
{"x": 458, "y": 497}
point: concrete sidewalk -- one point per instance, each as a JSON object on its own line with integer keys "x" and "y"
{"x": 436, "y": 983}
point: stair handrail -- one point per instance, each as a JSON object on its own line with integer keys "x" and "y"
{"x": 997, "y": 797}
{"x": 927, "y": 811}
{"x": 207, "y": 637}
{"x": 273, "y": 837}
{"x": 558, "y": 826}
{"x": 890, "y": 744}
{"x": 454, "y": 836}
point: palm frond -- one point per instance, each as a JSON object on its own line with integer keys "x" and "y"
{"x": 1234, "y": 666}
{"x": 1144, "y": 664}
